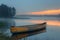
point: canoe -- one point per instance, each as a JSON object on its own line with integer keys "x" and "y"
{"x": 27, "y": 28}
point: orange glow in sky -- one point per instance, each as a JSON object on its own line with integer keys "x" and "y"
{"x": 47, "y": 12}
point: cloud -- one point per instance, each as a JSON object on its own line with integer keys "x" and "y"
{"x": 46, "y": 12}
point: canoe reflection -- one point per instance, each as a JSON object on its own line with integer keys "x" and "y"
{"x": 19, "y": 36}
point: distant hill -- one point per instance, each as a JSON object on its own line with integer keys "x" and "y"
{"x": 38, "y": 15}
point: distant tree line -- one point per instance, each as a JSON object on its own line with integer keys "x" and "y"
{"x": 7, "y": 12}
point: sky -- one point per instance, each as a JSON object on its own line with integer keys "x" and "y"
{"x": 34, "y": 7}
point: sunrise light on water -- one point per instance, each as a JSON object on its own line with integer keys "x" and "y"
{"x": 49, "y": 22}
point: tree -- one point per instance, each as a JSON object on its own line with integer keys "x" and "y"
{"x": 6, "y": 11}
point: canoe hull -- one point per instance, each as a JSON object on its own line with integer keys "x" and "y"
{"x": 28, "y": 29}
{"x": 28, "y": 32}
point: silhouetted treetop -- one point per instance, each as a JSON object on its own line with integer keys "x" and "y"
{"x": 6, "y": 11}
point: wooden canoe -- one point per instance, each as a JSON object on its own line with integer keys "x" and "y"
{"x": 27, "y": 28}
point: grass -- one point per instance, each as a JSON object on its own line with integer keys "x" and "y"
{"x": 3, "y": 37}
{"x": 2, "y": 24}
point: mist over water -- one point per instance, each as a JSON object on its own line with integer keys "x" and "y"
{"x": 52, "y": 29}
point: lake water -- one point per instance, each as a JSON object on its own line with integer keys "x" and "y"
{"x": 52, "y": 29}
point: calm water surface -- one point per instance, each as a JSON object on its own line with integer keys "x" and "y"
{"x": 52, "y": 31}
